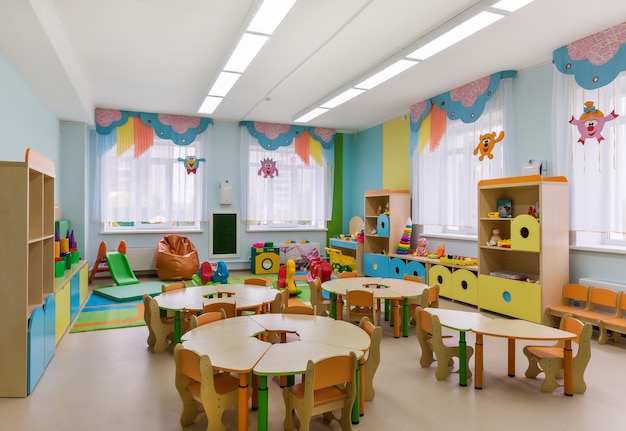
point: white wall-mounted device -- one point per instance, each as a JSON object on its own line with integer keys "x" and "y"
{"x": 226, "y": 193}
{"x": 535, "y": 167}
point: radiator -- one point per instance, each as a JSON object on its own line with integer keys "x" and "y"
{"x": 610, "y": 285}
{"x": 142, "y": 259}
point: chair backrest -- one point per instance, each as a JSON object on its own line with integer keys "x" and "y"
{"x": 147, "y": 306}
{"x": 411, "y": 277}
{"x": 194, "y": 373}
{"x": 575, "y": 292}
{"x": 255, "y": 281}
{"x": 583, "y": 333}
{"x": 347, "y": 274}
{"x": 208, "y": 317}
{"x": 315, "y": 287}
{"x": 430, "y": 297}
{"x": 173, "y": 286}
{"x": 277, "y": 303}
{"x": 621, "y": 304}
{"x": 230, "y": 308}
{"x": 299, "y": 309}
{"x": 602, "y": 299}
{"x": 424, "y": 321}
{"x": 360, "y": 298}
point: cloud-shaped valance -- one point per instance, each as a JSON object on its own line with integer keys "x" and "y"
{"x": 595, "y": 60}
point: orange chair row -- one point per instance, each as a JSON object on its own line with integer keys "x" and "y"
{"x": 602, "y": 308}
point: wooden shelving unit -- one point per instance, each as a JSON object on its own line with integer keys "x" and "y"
{"x": 539, "y": 246}
{"x": 26, "y": 262}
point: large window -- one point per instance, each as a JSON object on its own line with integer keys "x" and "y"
{"x": 287, "y": 188}
{"x": 447, "y": 166}
{"x": 159, "y": 190}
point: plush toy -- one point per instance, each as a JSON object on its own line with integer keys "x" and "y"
{"x": 495, "y": 237}
{"x": 441, "y": 250}
{"x": 289, "y": 281}
{"x": 422, "y": 243}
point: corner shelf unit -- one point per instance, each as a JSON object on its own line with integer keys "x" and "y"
{"x": 26, "y": 265}
{"x": 539, "y": 247}
{"x": 388, "y": 228}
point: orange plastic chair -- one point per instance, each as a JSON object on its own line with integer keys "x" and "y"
{"x": 373, "y": 357}
{"x": 255, "y": 281}
{"x": 299, "y": 309}
{"x": 549, "y": 359}
{"x": 437, "y": 347}
{"x": 230, "y": 308}
{"x": 160, "y": 329}
{"x": 616, "y": 324}
{"x": 574, "y": 298}
{"x": 359, "y": 303}
{"x": 602, "y": 305}
{"x": 328, "y": 385}
{"x": 204, "y": 318}
{"x": 196, "y": 383}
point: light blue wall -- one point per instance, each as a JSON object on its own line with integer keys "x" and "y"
{"x": 25, "y": 121}
{"x": 367, "y": 170}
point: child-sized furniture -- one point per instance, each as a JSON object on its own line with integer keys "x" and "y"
{"x": 574, "y": 298}
{"x": 616, "y": 324}
{"x": 373, "y": 358}
{"x": 549, "y": 359}
{"x": 160, "y": 329}
{"x": 176, "y": 258}
{"x": 602, "y": 305}
{"x": 99, "y": 263}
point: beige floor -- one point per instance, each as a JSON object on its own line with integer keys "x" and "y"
{"x": 108, "y": 380}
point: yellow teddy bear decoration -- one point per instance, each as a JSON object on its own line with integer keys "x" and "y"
{"x": 486, "y": 144}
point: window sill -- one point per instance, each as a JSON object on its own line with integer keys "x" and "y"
{"x": 285, "y": 230}
{"x": 141, "y": 232}
{"x": 606, "y": 249}
{"x": 458, "y": 237}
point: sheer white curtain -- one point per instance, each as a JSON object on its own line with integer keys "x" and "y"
{"x": 444, "y": 180}
{"x": 298, "y": 196}
{"x": 595, "y": 170}
{"x": 155, "y": 188}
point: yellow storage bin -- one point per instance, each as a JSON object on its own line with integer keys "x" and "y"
{"x": 464, "y": 286}
{"x": 525, "y": 233}
{"x": 510, "y": 297}
{"x": 441, "y": 275}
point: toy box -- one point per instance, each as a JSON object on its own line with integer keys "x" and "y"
{"x": 265, "y": 260}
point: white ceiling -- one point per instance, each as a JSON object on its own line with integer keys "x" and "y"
{"x": 162, "y": 55}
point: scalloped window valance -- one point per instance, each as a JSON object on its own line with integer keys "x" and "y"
{"x": 139, "y": 128}
{"x": 595, "y": 60}
{"x": 464, "y": 103}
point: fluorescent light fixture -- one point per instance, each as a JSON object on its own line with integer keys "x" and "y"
{"x": 311, "y": 115}
{"x": 387, "y": 73}
{"x": 210, "y": 104}
{"x": 270, "y": 15}
{"x": 248, "y": 47}
{"x": 224, "y": 83}
{"x": 350, "y": 93}
{"x": 458, "y": 33}
{"x": 511, "y": 5}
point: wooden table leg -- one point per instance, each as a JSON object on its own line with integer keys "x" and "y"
{"x": 255, "y": 392}
{"x": 568, "y": 372}
{"x": 361, "y": 387}
{"x": 339, "y": 313}
{"x": 242, "y": 421}
{"x": 478, "y": 362}
{"x": 511, "y": 354}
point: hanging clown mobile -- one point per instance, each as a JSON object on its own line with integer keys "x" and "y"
{"x": 268, "y": 168}
{"x": 591, "y": 122}
{"x": 192, "y": 163}
{"x": 486, "y": 144}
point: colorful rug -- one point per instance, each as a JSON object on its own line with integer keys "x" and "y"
{"x": 104, "y": 313}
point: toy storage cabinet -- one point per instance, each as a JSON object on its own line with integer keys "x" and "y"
{"x": 27, "y": 268}
{"x": 539, "y": 247}
{"x": 376, "y": 247}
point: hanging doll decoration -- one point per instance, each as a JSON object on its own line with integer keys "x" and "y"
{"x": 591, "y": 122}
{"x": 268, "y": 168}
{"x": 192, "y": 163}
{"x": 486, "y": 144}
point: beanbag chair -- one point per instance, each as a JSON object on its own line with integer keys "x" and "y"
{"x": 176, "y": 258}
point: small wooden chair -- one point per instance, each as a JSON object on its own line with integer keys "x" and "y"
{"x": 347, "y": 274}
{"x": 549, "y": 359}
{"x": 230, "y": 308}
{"x": 279, "y": 301}
{"x": 373, "y": 357}
{"x": 432, "y": 341}
{"x": 204, "y": 318}
{"x": 574, "y": 298}
{"x": 255, "y": 281}
{"x": 160, "y": 329}
{"x": 616, "y": 324}
{"x": 322, "y": 306}
{"x": 602, "y": 305}
{"x": 359, "y": 303}
{"x": 299, "y": 309}
{"x": 173, "y": 286}
{"x": 197, "y": 383}
{"x": 413, "y": 302}
{"x": 328, "y": 385}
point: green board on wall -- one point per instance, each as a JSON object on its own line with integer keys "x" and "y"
{"x": 224, "y": 238}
